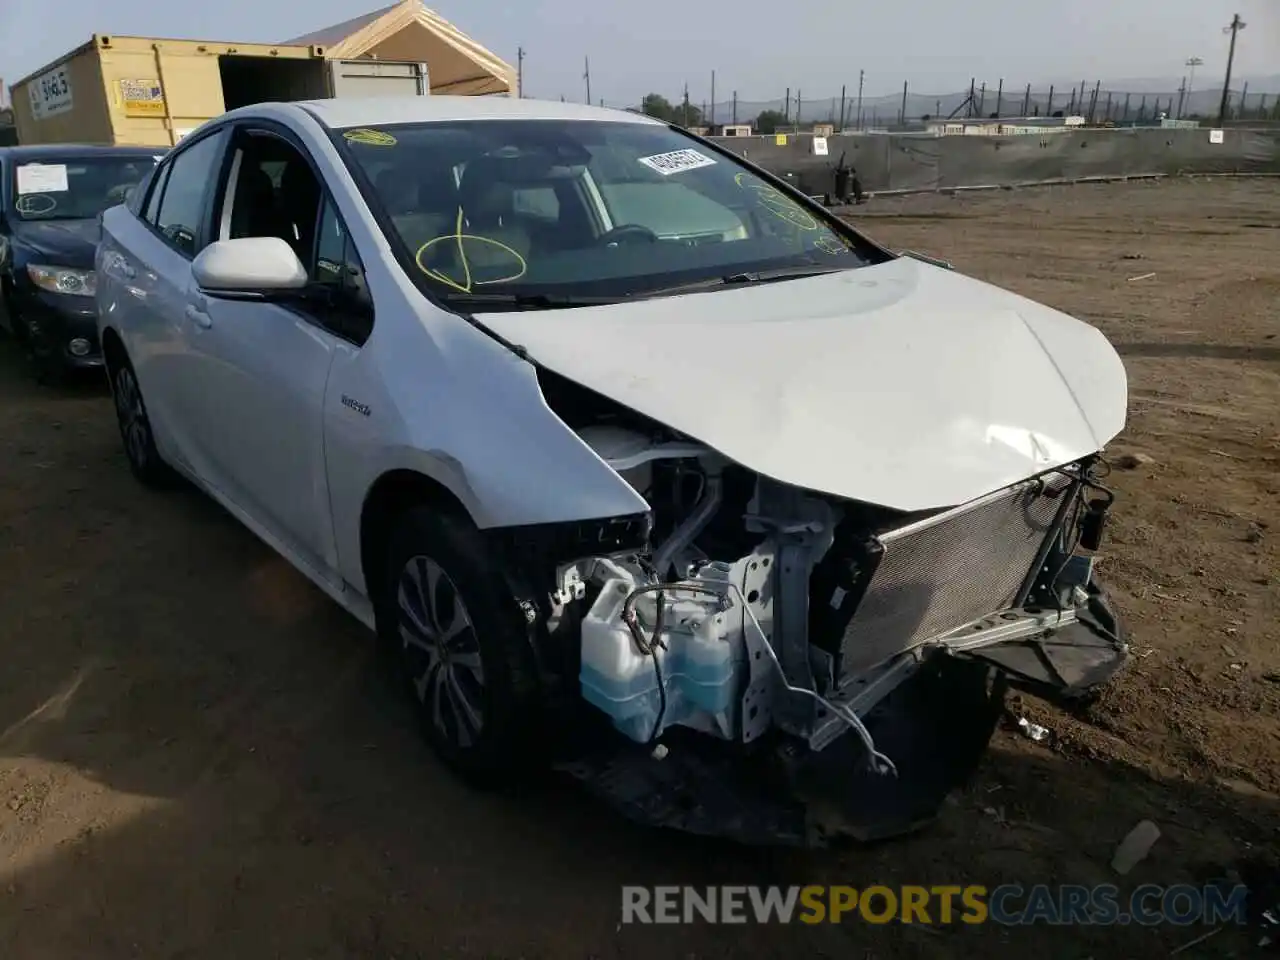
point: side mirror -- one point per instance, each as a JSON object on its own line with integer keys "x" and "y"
{"x": 249, "y": 268}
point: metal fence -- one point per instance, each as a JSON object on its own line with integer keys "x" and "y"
{"x": 915, "y": 163}
{"x": 850, "y": 110}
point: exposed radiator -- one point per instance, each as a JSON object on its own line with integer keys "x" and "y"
{"x": 948, "y": 570}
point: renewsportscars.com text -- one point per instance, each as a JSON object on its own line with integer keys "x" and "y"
{"x": 1007, "y": 905}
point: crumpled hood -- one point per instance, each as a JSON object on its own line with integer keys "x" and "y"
{"x": 60, "y": 243}
{"x": 902, "y": 384}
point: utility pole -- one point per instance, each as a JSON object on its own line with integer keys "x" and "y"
{"x": 1048, "y": 110}
{"x": 999, "y": 97}
{"x": 686, "y": 106}
{"x": 861, "y": 75}
{"x": 586, "y": 75}
{"x": 713, "y": 101}
{"x": 970, "y": 104}
{"x": 797, "y": 109}
{"x": 786, "y": 107}
{"x": 735, "y": 108}
{"x": 903, "y": 120}
{"x": 1182, "y": 98}
{"x": 1234, "y": 28}
{"x": 842, "y": 91}
{"x": 1191, "y": 62}
{"x": 1026, "y": 100}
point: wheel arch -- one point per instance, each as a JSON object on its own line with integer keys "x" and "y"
{"x": 114, "y": 353}
{"x": 392, "y": 493}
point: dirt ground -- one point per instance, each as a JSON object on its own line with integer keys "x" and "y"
{"x": 200, "y": 757}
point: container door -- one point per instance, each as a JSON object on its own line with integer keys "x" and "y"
{"x": 378, "y": 78}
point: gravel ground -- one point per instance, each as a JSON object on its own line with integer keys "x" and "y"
{"x": 200, "y": 756}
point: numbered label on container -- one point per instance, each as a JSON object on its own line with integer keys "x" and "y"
{"x": 51, "y": 93}
{"x": 1216, "y": 136}
{"x": 819, "y": 146}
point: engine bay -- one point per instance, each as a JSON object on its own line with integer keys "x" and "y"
{"x": 758, "y": 606}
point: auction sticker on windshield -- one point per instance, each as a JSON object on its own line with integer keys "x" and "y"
{"x": 42, "y": 178}
{"x": 677, "y": 161}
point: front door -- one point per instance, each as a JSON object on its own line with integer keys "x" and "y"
{"x": 259, "y": 370}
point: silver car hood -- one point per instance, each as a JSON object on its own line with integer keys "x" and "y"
{"x": 902, "y": 384}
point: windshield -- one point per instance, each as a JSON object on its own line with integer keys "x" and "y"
{"x": 78, "y": 189}
{"x": 563, "y": 209}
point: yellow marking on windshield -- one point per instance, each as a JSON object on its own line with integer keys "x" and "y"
{"x": 468, "y": 284}
{"x": 778, "y": 204}
{"x": 832, "y": 245}
{"x": 372, "y": 138}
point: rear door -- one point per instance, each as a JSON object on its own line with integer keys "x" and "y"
{"x": 145, "y": 267}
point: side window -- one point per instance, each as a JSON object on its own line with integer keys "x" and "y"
{"x": 182, "y": 206}
{"x": 275, "y": 194}
{"x": 345, "y": 305}
{"x": 157, "y": 191}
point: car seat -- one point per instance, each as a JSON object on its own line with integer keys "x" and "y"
{"x": 486, "y": 195}
{"x": 254, "y": 211}
{"x": 300, "y": 207}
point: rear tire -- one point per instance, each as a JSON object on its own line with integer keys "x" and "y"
{"x": 459, "y": 639}
{"x": 136, "y": 435}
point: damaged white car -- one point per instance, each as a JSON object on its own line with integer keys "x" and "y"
{"x": 642, "y": 463}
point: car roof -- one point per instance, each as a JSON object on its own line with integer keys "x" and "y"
{"x": 74, "y": 151}
{"x": 344, "y": 112}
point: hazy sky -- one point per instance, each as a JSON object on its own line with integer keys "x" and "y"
{"x": 757, "y": 48}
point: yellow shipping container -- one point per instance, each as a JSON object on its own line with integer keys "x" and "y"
{"x": 141, "y": 91}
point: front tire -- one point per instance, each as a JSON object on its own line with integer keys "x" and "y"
{"x": 459, "y": 639}
{"x": 139, "y": 441}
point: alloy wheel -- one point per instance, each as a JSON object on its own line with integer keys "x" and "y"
{"x": 442, "y": 650}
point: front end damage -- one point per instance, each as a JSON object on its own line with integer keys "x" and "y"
{"x": 778, "y": 666}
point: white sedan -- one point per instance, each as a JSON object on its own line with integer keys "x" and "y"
{"x": 638, "y": 459}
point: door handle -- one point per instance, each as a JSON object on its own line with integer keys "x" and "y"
{"x": 199, "y": 318}
{"x": 127, "y": 271}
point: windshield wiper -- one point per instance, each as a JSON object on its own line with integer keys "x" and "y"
{"x": 525, "y": 301}
{"x": 742, "y": 279}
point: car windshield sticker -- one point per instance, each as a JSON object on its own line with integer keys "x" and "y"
{"x": 42, "y": 178}
{"x": 371, "y": 138}
{"x": 677, "y": 161}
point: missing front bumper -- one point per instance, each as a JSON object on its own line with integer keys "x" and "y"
{"x": 932, "y": 711}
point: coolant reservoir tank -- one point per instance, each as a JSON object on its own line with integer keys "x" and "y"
{"x": 615, "y": 676}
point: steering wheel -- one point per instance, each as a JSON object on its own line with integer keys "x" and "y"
{"x": 628, "y": 232}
